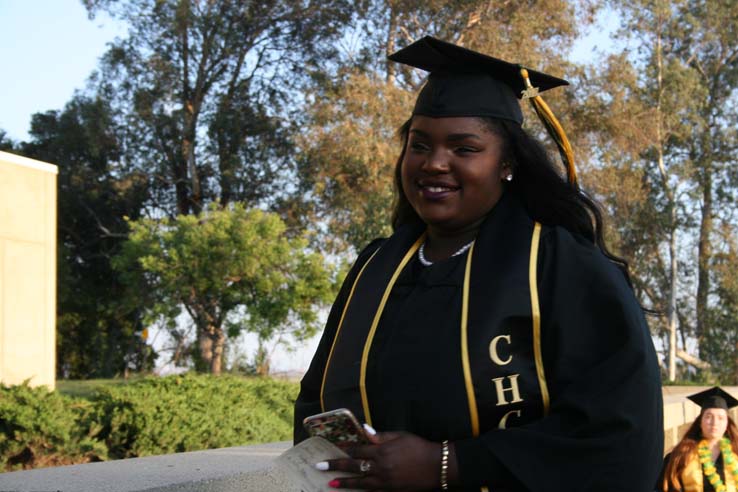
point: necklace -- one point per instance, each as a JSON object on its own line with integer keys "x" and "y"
{"x": 708, "y": 467}
{"x": 425, "y": 262}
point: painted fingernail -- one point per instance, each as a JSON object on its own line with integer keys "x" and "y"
{"x": 321, "y": 465}
{"x": 334, "y": 483}
{"x": 370, "y": 430}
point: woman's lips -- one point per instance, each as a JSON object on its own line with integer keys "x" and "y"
{"x": 436, "y": 192}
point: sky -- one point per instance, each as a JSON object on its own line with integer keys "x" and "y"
{"x": 48, "y": 49}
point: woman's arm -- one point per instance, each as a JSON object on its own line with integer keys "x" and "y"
{"x": 308, "y": 400}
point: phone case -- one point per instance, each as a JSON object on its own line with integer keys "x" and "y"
{"x": 337, "y": 426}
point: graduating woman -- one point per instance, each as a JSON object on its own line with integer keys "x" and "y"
{"x": 492, "y": 339}
{"x": 706, "y": 459}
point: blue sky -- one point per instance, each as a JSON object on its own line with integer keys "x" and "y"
{"x": 48, "y": 48}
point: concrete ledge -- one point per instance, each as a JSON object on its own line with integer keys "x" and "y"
{"x": 240, "y": 469}
{"x": 243, "y": 469}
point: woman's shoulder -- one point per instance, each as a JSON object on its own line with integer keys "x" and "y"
{"x": 370, "y": 249}
{"x": 556, "y": 236}
{"x": 365, "y": 254}
{"x": 575, "y": 255}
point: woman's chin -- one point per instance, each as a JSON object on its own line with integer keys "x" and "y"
{"x": 440, "y": 223}
{"x": 712, "y": 436}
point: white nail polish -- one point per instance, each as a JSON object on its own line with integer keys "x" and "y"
{"x": 321, "y": 465}
{"x": 370, "y": 430}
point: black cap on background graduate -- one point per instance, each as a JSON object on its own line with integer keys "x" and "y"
{"x": 463, "y": 82}
{"x": 714, "y": 397}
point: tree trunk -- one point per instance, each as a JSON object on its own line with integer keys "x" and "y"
{"x": 390, "y": 65}
{"x": 216, "y": 363}
{"x": 188, "y": 154}
{"x": 704, "y": 252}
{"x": 262, "y": 359}
{"x": 205, "y": 342}
{"x": 180, "y": 186}
{"x": 671, "y": 310}
{"x": 180, "y": 166}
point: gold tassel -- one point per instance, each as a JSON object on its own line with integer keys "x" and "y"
{"x": 553, "y": 127}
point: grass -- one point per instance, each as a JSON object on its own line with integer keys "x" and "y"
{"x": 84, "y": 388}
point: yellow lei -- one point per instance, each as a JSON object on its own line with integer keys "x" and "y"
{"x": 708, "y": 467}
{"x": 693, "y": 476}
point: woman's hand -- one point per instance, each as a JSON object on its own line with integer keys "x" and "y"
{"x": 395, "y": 461}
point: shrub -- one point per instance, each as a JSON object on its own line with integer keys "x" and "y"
{"x": 191, "y": 412}
{"x": 43, "y": 428}
{"x": 145, "y": 417}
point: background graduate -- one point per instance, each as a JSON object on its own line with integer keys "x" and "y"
{"x": 706, "y": 459}
{"x": 492, "y": 339}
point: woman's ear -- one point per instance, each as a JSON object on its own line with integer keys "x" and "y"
{"x": 506, "y": 172}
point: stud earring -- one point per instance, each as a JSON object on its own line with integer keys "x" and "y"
{"x": 509, "y": 177}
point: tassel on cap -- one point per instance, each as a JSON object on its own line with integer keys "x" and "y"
{"x": 553, "y": 127}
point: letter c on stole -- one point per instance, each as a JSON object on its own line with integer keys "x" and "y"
{"x": 503, "y": 420}
{"x": 493, "y": 350}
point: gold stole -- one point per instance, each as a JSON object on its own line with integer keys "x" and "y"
{"x": 692, "y": 476}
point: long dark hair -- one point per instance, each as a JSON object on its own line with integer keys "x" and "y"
{"x": 549, "y": 198}
{"x": 687, "y": 445}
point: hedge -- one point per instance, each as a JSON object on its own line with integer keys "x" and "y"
{"x": 147, "y": 417}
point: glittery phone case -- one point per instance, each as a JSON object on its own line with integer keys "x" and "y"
{"x": 339, "y": 426}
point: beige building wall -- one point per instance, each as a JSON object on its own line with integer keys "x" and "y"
{"x": 27, "y": 271}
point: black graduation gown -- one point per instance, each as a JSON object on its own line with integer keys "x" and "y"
{"x": 602, "y": 428}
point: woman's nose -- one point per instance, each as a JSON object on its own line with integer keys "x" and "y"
{"x": 437, "y": 162}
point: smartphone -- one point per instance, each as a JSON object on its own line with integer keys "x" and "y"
{"x": 338, "y": 426}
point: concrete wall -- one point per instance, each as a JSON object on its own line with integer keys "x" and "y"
{"x": 27, "y": 270}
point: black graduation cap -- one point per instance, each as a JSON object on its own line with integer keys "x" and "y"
{"x": 463, "y": 82}
{"x": 714, "y": 397}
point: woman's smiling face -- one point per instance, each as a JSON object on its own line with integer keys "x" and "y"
{"x": 452, "y": 172}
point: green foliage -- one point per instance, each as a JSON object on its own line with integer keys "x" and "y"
{"x": 232, "y": 269}
{"x": 87, "y": 388}
{"x": 201, "y": 88}
{"x": 6, "y": 143}
{"x": 145, "y": 417}
{"x": 42, "y": 428}
{"x": 187, "y": 413}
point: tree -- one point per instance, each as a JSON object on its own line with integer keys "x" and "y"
{"x": 231, "y": 269}
{"x": 721, "y": 341}
{"x": 6, "y": 143}
{"x": 667, "y": 111}
{"x": 348, "y": 149}
{"x": 98, "y": 335}
{"x": 202, "y": 89}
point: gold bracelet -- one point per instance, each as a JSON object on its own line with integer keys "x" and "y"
{"x": 444, "y": 465}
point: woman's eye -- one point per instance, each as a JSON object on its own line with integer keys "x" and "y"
{"x": 418, "y": 146}
{"x": 465, "y": 150}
